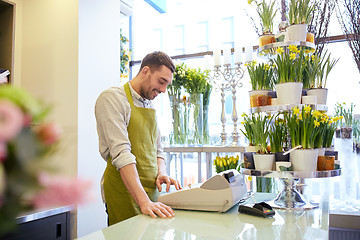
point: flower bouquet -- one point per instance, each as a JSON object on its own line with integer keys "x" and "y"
{"x": 225, "y": 163}
{"x": 26, "y": 142}
{"x": 178, "y": 135}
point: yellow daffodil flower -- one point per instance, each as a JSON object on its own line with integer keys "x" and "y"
{"x": 296, "y": 110}
{"x": 307, "y": 108}
{"x": 293, "y": 48}
{"x": 279, "y": 50}
{"x": 317, "y": 113}
{"x": 316, "y": 123}
{"x": 292, "y": 56}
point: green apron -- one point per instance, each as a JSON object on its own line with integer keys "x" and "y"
{"x": 142, "y": 132}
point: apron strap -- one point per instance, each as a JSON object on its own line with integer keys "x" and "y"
{"x": 128, "y": 94}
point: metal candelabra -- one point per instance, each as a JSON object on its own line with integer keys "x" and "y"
{"x": 228, "y": 78}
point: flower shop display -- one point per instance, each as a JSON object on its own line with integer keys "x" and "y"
{"x": 27, "y": 140}
{"x": 225, "y": 163}
{"x": 267, "y": 13}
{"x": 262, "y": 81}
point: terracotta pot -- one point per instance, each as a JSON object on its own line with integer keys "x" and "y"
{"x": 266, "y": 39}
{"x": 325, "y": 163}
{"x": 249, "y": 160}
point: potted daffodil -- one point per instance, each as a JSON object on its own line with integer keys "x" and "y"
{"x": 266, "y": 12}
{"x": 289, "y": 69}
{"x": 299, "y": 16}
{"x": 302, "y": 125}
{"x": 261, "y": 78}
{"x": 263, "y": 159}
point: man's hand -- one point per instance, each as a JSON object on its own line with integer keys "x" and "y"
{"x": 155, "y": 209}
{"x": 168, "y": 180}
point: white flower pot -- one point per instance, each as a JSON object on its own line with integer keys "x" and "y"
{"x": 320, "y": 93}
{"x": 264, "y": 161}
{"x": 309, "y": 99}
{"x": 297, "y": 32}
{"x": 251, "y": 149}
{"x": 289, "y": 93}
{"x": 304, "y": 159}
{"x": 321, "y": 151}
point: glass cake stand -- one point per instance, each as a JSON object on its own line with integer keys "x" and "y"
{"x": 289, "y": 198}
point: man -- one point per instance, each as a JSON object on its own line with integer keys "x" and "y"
{"x": 129, "y": 140}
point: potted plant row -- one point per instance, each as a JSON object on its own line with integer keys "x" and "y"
{"x": 309, "y": 131}
{"x": 298, "y": 18}
{"x": 297, "y": 75}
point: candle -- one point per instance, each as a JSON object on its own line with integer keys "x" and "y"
{"x": 217, "y": 57}
{"x": 207, "y": 59}
{"x": 249, "y": 53}
{"x": 238, "y": 55}
{"x": 227, "y": 56}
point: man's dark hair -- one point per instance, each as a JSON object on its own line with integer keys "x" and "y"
{"x": 156, "y": 59}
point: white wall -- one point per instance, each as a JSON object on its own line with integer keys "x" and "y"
{"x": 99, "y": 61}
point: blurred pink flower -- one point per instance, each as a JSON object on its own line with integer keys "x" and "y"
{"x": 49, "y": 133}
{"x": 27, "y": 120}
{"x": 11, "y": 120}
{"x": 61, "y": 191}
{"x": 3, "y": 152}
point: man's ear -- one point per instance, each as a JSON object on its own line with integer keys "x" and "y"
{"x": 145, "y": 70}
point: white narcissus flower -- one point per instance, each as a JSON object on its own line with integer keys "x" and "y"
{"x": 11, "y": 120}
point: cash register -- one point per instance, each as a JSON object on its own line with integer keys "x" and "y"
{"x": 218, "y": 194}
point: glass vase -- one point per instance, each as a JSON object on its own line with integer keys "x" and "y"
{"x": 177, "y": 135}
{"x": 195, "y": 122}
{"x": 206, "y": 135}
